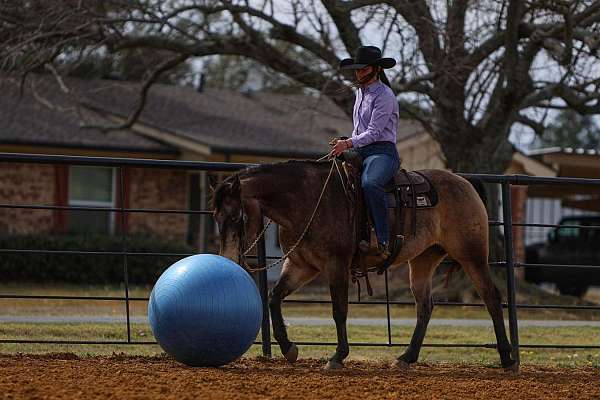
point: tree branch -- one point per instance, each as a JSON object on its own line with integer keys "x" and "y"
{"x": 416, "y": 13}
{"x": 341, "y": 18}
{"x": 537, "y": 127}
{"x": 573, "y": 97}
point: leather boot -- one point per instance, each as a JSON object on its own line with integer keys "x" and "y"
{"x": 383, "y": 250}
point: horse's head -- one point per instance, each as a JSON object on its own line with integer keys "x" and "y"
{"x": 229, "y": 215}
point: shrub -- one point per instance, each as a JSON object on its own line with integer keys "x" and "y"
{"x": 86, "y": 268}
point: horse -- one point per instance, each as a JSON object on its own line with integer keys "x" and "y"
{"x": 292, "y": 191}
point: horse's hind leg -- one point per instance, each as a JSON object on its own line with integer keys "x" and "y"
{"x": 479, "y": 271}
{"x": 293, "y": 276}
{"x": 421, "y": 271}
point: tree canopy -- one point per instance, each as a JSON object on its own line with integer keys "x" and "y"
{"x": 468, "y": 70}
{"x": 571, "y": 129}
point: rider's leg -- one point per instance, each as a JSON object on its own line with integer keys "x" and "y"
{"x": 378, "y": 169}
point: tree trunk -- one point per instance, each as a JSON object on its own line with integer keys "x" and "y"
{"x": 474, "y": 150}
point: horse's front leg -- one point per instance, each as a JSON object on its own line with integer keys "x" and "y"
{"x": 293, "y": 276}
{"x": 338, "y": 287}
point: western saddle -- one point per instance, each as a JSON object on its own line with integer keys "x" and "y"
{"x": 406, "y": 192}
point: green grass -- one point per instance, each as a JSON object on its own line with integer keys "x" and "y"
{"x": 435, "y": 334}
{"x": 451, "y": 312}
{"x": 139, "y": 308}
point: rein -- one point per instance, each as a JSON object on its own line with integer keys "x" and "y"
{"x": 302, "y": 235}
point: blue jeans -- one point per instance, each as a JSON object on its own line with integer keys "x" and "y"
{"x": 380, "y": 163}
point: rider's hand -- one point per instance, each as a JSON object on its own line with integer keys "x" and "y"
{"x": 339, "y": 147}
{"x": 333, "y": 140}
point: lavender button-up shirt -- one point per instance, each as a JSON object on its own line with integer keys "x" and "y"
{"x": 375, "y": 115}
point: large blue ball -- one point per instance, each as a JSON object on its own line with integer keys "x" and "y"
{"x": 205, "y": 310}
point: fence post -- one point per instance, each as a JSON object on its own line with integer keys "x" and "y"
{"x": 124, "y": 248}
{"x": 263, "y": 287}
{"x": 387, "y": 309}
{"x": 510, "y": 271}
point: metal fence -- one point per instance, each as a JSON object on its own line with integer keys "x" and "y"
{"x": 120, "y": 164}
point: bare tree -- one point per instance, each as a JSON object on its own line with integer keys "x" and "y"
{"x": 469, "y": 70}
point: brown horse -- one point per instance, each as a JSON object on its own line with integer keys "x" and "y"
{"x": 288, "y": 192}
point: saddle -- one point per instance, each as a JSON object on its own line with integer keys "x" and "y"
{"x": 406, "y": 192}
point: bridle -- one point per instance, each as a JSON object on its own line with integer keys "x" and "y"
{"x": 243, "y": 253}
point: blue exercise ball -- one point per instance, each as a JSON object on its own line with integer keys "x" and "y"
{"x": 205, "y": 310}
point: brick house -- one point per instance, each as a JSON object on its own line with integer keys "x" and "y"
{"x": 178, "y": 123}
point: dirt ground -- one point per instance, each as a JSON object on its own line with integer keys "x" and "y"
{"x": 65, "y": 376}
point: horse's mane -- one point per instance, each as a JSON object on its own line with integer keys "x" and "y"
{"x": 217, "y": 196}
{"x": 291, "y": 168}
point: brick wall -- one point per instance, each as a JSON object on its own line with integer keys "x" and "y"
{"x": 26, "y": 184}
{"x": 164, "y": 189}
{"x": 37, "y": 184}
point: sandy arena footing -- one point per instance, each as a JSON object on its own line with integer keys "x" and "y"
{"x": 65, "y": 376}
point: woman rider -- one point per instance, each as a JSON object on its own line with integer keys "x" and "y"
{"x": 375, "y": 119}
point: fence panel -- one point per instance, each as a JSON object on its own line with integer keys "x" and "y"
{"x": 261, "y": 257}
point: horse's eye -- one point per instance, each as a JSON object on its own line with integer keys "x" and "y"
{"x": 236, "y": 218}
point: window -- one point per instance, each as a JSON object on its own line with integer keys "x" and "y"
{"x": 91, "y": 187}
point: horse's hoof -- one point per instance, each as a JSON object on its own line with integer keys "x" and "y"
{"x": 292, "y": 354}
{"x": 333, "y": 365}
{"x": 400, "y": 365}
{"x": 513, "y": 369}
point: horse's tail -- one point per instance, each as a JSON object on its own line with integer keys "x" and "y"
{"x": 477, "y": 183}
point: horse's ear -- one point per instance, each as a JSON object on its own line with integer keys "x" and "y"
{"x": 235, "y": 186}
{"x": 213, "y": 182}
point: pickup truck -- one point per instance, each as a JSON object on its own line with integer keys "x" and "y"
{"x": 569, "y": 246}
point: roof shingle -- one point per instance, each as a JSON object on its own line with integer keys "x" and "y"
{"x": 43, "y": 116}
{"x": 225, "y": 120}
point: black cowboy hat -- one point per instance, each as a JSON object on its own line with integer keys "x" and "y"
{"x": 367, "y": 56}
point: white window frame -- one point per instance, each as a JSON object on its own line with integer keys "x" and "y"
{"x": 93, "y": 203}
